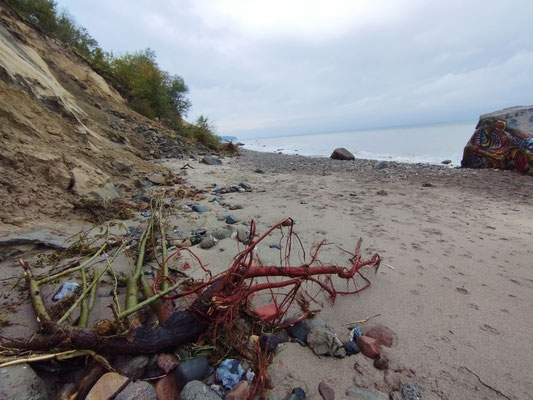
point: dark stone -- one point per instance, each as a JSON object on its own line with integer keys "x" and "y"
{"x": 269, "y": 342}
{"x": 190, "y": 370}
{"x": 299, "y": 393}
{"x": 259, "y": 171}
{"x": 211, "y": 160}
{"x": 200, "y": 208}
{"x": 275, "y": 246}
{"x": 326, "y": 391}
{"x": 231, "y": 219}
{"x": 382, "y": 362}
{"x": 446, "y": 162}
{"x": 351, "y": 348}
{"x": 245, "y": 186}
{"x": 381, "y": 165}
{"x": 298, "y": 331}
{"x": 132, "y": 367}
{"x": 342, "y": 154}
{"x": 208, "y": 242}
{"x": 139, "y": 390}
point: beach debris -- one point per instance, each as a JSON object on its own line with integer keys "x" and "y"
{"x": 65, "y": 290}
{"x": 275, "y": 246}
{"x": 211, "y": 160}
{"x": 342, "y": 154}
{"x": 192, "y": 369}
{"x": 229, "y": 373}
{"x": 380, "y": 165}
{"x": 410, "y": 391}
{"x": 196, "y": 390}
{"x": 326, "y": 391}
{"x": 369, "y": 346}
{"x": 355, "y": 332}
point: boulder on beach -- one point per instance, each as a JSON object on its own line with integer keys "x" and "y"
{"x": 342, "y": 154}
{"x": 502, "y": 139}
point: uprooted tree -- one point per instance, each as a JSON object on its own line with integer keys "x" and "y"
{"x": 219, "y": 311}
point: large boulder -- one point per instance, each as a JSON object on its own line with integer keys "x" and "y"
{"x": 502, "y": 139}
{"x": 342, "y": 154}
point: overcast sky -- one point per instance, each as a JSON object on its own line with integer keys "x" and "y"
{"x": 281, "y": 67}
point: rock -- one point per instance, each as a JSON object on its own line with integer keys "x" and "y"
{"x": 446, "y": 162}
{"x": 266, "y": 313}
{"x": 382, "y": 362}
{"x": 245, "y": 186}
{"x": 132, "y": 367}
{"x": 502, "y": 139}
{"x": 166, "y": 388}
{"x": 326, "y": 391}
{"x": 324, "y": 342}
{"x": 241, "y": 391}
{"x": 196, "y": 390}
{"x": 365, "y": 394}
{"x": 297, "y": 394}
{"x": 269, "y": 342}
{"x": 221, "y": 233}
{"x": 369, "y": 346}
{"x": 381, "y": 165}
{"x": 382, "y": 192}
{"x": 200, "y": 209}
{"x": 190, "y": 370}
{"x": 139, "y": 390}
{"x": 229, "y": 373}
{"x": 382, "y": 333}
{"x": 351, "y": 348}
{"x": 230, "y": 219}
{"x": 42, "y": 237}
{"x": 410, "y": 391}
{"x": 211, "y": 160}
{"x": 157, "y": 179}
{"x": 21, "y": 382}
{"x": 342, "y": 154}
{"x": 106, "y": 386}
{"x": 208, "y": 242}
{"x": 167, "y": 362}
{"x": 259, "y": 171}
{"x": 122, "y": 167}
{"x": 298, "y": 331}
{"x": 243, "y": 234}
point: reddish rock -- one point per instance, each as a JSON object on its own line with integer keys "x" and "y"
{"x": 326, "y": 391}
{"x": 241, "y": 391}
{"x": 167, "y": 362}
{"x": 385, "y": 335}
{"x": 107, "y": 386}
{"x": 382, "y": 362}
{"x": 166, "y": 388}
{"x": 369, "y": 346}
{"x": 268, "y": 381}
{"x": 267, "y": 313}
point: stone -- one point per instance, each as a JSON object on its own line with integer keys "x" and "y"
{"x": 167, "y": 362}
{"x": 42, "y": 237}
{"x": 196, "y": 390}
{"x": 269, "y": 342}
{"x": 21, "y": 382}
{"x": 208, "y": 242}
{"x": 245, "y": 186}
{"x": 382, "y": 362}
{"x": 231, "y": 219}
{"x": 446, "y": 162}
{"x": 191, "y": 369}
{"x": 259, "y": 171}
{"x": 502, "y": 139}
{"x": 326, "y": 391}
{"x": 157, "y": 179}
{"x": 166, "y": 388}
{"x": 324, "y": 342}
{"x": 356, "y": 393}
{"x": 298, "y": 394}
{"x": 369, "y": 346}
{"x": 106, "y": 386}
{"x": 298, "y": 331}
{"x": 241, "y": 391}
{"x": 351, "y": 348}
{"x": 266, "y": 313}
{"x": 383, "y": 334}
{"x": 243, "y": 234}
{"x": 122, "y": 167}
{"x": 211, "y": 160}
{"x": 139, "y": 390}
{"x": 381, "y": 165}
{"x": 221, "y": 233}
{"x": 132, "y": 367}
{"x": 342, "y": 154}
{"x": 410, "y": 391}
{"x": 200, "y": 208}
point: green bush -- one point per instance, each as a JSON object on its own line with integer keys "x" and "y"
{"x": 202, "y": 132}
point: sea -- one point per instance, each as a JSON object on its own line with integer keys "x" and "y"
{"x": 430, "y": 144}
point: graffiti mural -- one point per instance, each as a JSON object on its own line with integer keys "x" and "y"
{"x": 502, "y": 142}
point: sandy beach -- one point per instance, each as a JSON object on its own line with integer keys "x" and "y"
{"x": 456, "y": 278}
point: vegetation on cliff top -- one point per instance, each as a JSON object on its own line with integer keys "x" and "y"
{"x": 151, "y": 91}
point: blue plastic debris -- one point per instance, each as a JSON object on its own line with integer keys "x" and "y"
{"x": 355, "y": 333}
{"x": 230, "y": 372}
{"x": 145, "y": 214}
{"x": 66, "y": 289}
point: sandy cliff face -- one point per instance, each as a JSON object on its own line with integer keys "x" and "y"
{"x": 66, "y": 135}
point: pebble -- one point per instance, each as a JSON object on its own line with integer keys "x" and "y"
{"x": 326, "y": 391}
{"x": 231, "y": 219}
{"x": 221, "y": 233}
{"x": 382, "y": 362}
{"x": 200, "y": 208}
{"x": 383, "y": 334}
{"x": 208, "y": 242}
{"x": 369, "y": 346}
{"x": 269, "y": 342}
{"x": 351, "y": 348}
{"x": 298, "y": 394}
{"x": 167, "y": 362}
{"x": 139, "y": 390}
{"x": 241, "y": 391}
{"x": 323, "y": 341}
{"x": 106, "y": 386}
{"x": 298, "y": 331}
{"x": 132, "y": 367}
{"x": 196, "y": 390}
{"x": 381, "y": 165}
{"x": 411, "y": 391}
{"x": 166, "y": 388}
{"x": 211, "y": 160}
{"x": 190, "y": 370}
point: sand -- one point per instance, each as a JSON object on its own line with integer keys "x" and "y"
{"x": 456, "y": 279}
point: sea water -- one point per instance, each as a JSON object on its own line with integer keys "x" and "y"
{"x": 412, "y": 144}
